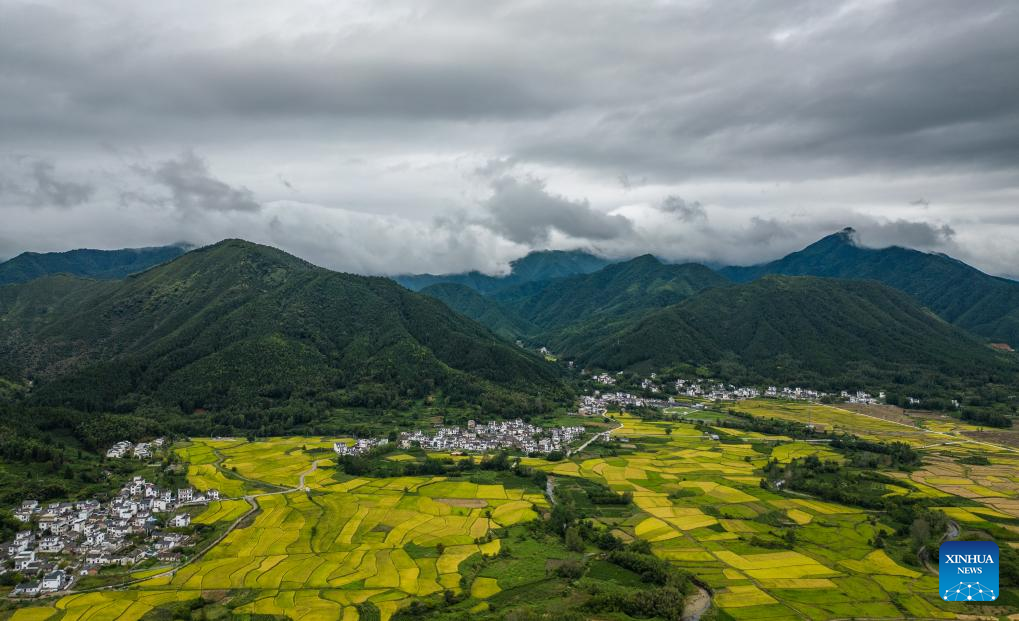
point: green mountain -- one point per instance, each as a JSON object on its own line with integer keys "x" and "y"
{"x": 797, "y": 329}
{"x": 616, "y": 290}
{"x": 536, "y": 266}
{"x": 985, "y": 305}
{"x": 489, "y": 313}
{"x": 242, "y": 325}
{"x": 101, "y": 264}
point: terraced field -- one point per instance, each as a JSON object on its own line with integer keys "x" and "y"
{"x": 832, "y": 571}
{"x": 318, "y": 554}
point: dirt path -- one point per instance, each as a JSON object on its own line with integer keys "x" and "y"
{"x": 950, "y": 533}
{"x": 314, "y": 467}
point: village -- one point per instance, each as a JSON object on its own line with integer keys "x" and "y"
{"x": 67, "y": 540}
{"x": 495, "y": 435}
{"x": 514, "y": 435}
{"x": 700, "y": 392}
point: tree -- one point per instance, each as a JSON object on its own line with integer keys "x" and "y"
{"x": 574, "y": 542}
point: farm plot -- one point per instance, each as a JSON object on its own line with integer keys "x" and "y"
{"x": 702, "y": 509}
{"x": 317, "y": 554}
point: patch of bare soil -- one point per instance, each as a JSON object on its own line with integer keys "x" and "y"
{"x": 471, "y": 503}
{"x": 1007, "y": 437}
{"x": 886, "y": 412}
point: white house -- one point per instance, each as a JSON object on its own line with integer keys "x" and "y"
{"x": 54, "y": 581}
{"x": 28, "y": 589}
{"x": 181, "y": 520}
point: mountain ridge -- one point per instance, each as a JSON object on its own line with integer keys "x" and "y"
{"x": 795, "y": 328}
{"x": 535, "y": 266}
{"x": 238, "y": 324}
{"x": 87, "y": 262}
{"x": 986, "y": 305}
{"x": 641, "y": 283}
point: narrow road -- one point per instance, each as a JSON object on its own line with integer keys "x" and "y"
{"x": 314, "y": 467}
{"x": 604, "y": 435}
{"x": 950, "y": 533}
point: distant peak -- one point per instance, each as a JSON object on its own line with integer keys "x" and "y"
{"x": 646, "y": 258}
{"x": 848, "y": 234}
{"x": 846, "y": 237}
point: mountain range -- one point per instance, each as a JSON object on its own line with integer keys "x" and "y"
{"x": 88, "y": 263}
{"x": 785, "y": 329}
{"x": 963, "y": 295}
{"x": 864, "y": 316}
{"x": 238, "y": 324}
{"x": 537, "y": 266}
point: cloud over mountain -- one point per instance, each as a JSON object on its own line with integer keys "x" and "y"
{"x": 432, "y": 122}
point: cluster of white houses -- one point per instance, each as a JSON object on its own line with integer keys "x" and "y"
{"x": 728, "y": 392}
{"x": 66, "y": 539}
{"x": 496, "y": 435}
{"x": 599, "y": 403}
{"x": 142, "y": 450}
{"x": 360, "y": 446}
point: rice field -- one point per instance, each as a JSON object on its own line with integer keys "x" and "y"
{"x": 319, "y": 553}
{"x": 699, "y": 501}
{"x": 316, "y": 554}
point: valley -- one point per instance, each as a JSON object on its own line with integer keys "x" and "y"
{"x": 323, "y": 544}
{"x": 580, "y": 439}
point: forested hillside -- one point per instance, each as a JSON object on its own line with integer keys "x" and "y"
{"x": 985, "y": 305}
{"x": 638, "y": 284}
{"x": 500, "y": 319}
{"x": 102, "y": 264}
{"x": 821, "y": 332}
{"x": 237, "y": 325}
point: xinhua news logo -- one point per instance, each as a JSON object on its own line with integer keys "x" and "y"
{"x": 968, "y": 571}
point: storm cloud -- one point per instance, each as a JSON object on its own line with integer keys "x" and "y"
{"x": 427, "y": 136}
{"x": 524, "y": 212}
{"x": 192, "y": 186}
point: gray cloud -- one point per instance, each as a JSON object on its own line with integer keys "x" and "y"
{"x": 49, "y": 190}
{"x": 192, "y": 186}
{"x": 42, "y": 187}
{"x": 905, "y": 233}
{"x": 684, "y": 210}
{"x": 525, "y": 212}
{"x": 432, "y": 118}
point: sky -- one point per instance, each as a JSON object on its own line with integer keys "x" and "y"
{"x": 387, "y": 137}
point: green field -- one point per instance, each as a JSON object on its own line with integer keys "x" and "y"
{"x": 316, "y": 554}
{"x": 701, "y": 507}
{"x": 319, "y": 553}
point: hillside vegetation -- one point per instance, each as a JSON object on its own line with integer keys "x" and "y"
{"x": 102, "y": 264}
{"x": 638, "y": 284}
{"x": 796, "y": 329}
{"x": 241, "y": 325}
{"x": 985, "y": 305}
{"x": 500, "y": 319}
